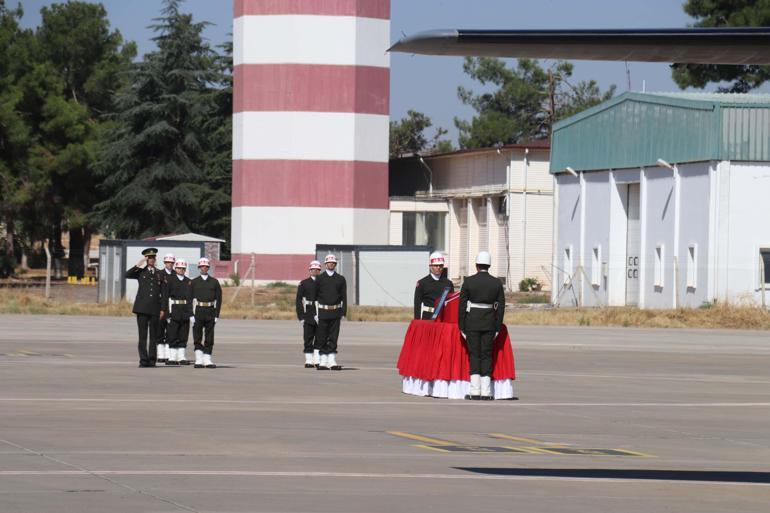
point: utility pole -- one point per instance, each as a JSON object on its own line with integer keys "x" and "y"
{"x": 552, "y": 103}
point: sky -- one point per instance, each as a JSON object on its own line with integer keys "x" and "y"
{"x": 429, "y": 84}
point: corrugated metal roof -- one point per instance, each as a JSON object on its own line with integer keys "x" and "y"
{"x": 636, "y": 129}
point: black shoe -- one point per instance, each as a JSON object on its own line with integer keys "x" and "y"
{"x": 211, "y": 366}
{"x": 162, "y": 360}
{"x": 309, "y": 366}
{"x": 322, "y": 368}
{"x": 184, "y": 362}
{"x": 336, "y": 367}
{"x": 470, "y": 397}
{"x": 198, "y": 365}
{"x": 171, "y": 362}
{"x": 487, "y": 398}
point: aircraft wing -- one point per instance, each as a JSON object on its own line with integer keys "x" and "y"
{"x": 688, "y": 45}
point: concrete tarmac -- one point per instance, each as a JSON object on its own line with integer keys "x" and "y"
{"x": 607, "y": 420}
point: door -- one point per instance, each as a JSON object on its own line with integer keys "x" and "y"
{"x": 633, "y": 245}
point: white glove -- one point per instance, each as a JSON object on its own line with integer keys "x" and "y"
{"x": 168, "y": 320}
{"x": 192, "y": 320}
{"x": 316, "y": 319}
{"x": 496, "y": 333}
{"x": 463, "y": 334}
{"x": 302, "y": 322}
{"x": 216, "y": 319}
{"x": 343, "y": 318}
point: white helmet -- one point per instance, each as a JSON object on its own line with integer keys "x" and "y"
{"x": 484, "y": 258}
{"x": 180, "y": 264}
{"x": 204, "y": 261}
{"x": 330, "y": 259}
{"x": 436, "y": 258}
{"x": 168, "y": 258}
{"x": 315, "y": 264}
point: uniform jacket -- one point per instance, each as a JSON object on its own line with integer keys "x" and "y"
{"x": 307, "y": 289}
{"x": 332, "y": 290}
{"x": 484, "y": 288}
{"x": 150, "y": 292}
{"x": 207, "y": 290}
{"x": 177, "y": 289}
{"x": 427, "y": 292}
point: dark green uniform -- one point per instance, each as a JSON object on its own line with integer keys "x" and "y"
{"x": 180, "y": 300}
{"x": 332, "y": 306}
{"x": 209, "y": 292}
{"x": 306, "y": 312}
{"x": 147, "y": 307}
{"x": 426, "y": 293}
{"x": 481, "y": 311}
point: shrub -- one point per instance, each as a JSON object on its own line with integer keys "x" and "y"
{"x": 236, "y": 278}
{"x": 530, "y": 285}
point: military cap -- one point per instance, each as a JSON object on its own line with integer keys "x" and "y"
{"x": 150, "y": 252}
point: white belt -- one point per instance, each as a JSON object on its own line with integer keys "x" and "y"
{"x": 428, "y": 309}
{"x": 305, "y": 302}
{"x": 484, "y": 306}
{"x": 178, "y": 301}
{"x": 330, "y": 307}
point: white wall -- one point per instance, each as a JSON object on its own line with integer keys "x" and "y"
{"x": 597, "y": 231}
{"x": 657, "y": 213}
{"x": 568, "y": 217}
{"x": 747, "y": 213}
{"x": 694, "y": 229}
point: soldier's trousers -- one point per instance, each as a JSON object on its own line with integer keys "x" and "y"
{"x": 203, "y": 342}
{"x": 148, "y": 338}
{"x": 480, "y": 344}
{"x": 177, "y": 333}
{"x": 327, "y": 335}
{"x": 309, "y": 332}
{"x": 162, "y": 332}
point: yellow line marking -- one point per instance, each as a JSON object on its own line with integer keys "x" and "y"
{"x": 634, "y": 453}
{"x": 522, "y": 439}
{"x": 530, "y": 450}
{"x": 438, "y": 449}
{"x": 536, "y": 450}
{"x": 420, "y": 438}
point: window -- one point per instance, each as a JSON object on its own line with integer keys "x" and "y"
{"x": 692, "y": 266}
{"x": 596, "y": 266}
{"x": 764, "y": 253}
{"x": 567, "y": 264}
{"x": 423, "y": 229}
{"x": 660, "y": 257}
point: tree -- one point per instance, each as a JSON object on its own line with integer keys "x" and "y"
{"x": 89, "y": 60}
{"x": 524, "y": 102}
{"x": 725, "y": 13}
{"x": 154, "y": 156}
{"x": 407, "y": 136}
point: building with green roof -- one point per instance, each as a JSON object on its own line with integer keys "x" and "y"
{"x": 661, "y": 199}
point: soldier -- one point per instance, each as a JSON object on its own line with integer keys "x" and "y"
{"x": 332, "y": 306}
{"x": 147, "y": 305}
{"x": 179, "y": 297}
{"x": 431, "y": 287}
{"x": 306, "y": 312}
{"x": 482, "y": 306}
{"x": 207, "y": 295}
{"x": 163, "y": 345}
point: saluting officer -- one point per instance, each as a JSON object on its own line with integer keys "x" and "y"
{"x": 163, "y": 345}
{"x": 431, "y": 287}
{"x": 332, "y": 305}
{"x": 306, "y": 312}
{"x": 207, "y": 295}
{"x": 482, "y": 307}
{"x": 147, "y": 305}
{"x": 180, "y": 302}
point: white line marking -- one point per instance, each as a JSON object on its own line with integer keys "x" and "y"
{"x": 422, "y": 402}
{"x": 358, "y": 475}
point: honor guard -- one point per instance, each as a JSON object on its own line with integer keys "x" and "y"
{"x": 179, "y": 297}
{"x": 163, "y": 345}
{"x": 207, "y": 299}
{"x": 306, "y": 313}
{"x": 431, "y": 287}
{"x": 147, "y": 305}
{"x": 482, "y": 307}
{"x": 332, "y": 306}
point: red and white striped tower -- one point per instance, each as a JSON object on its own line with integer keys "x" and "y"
{"x": 310, "y": 130}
